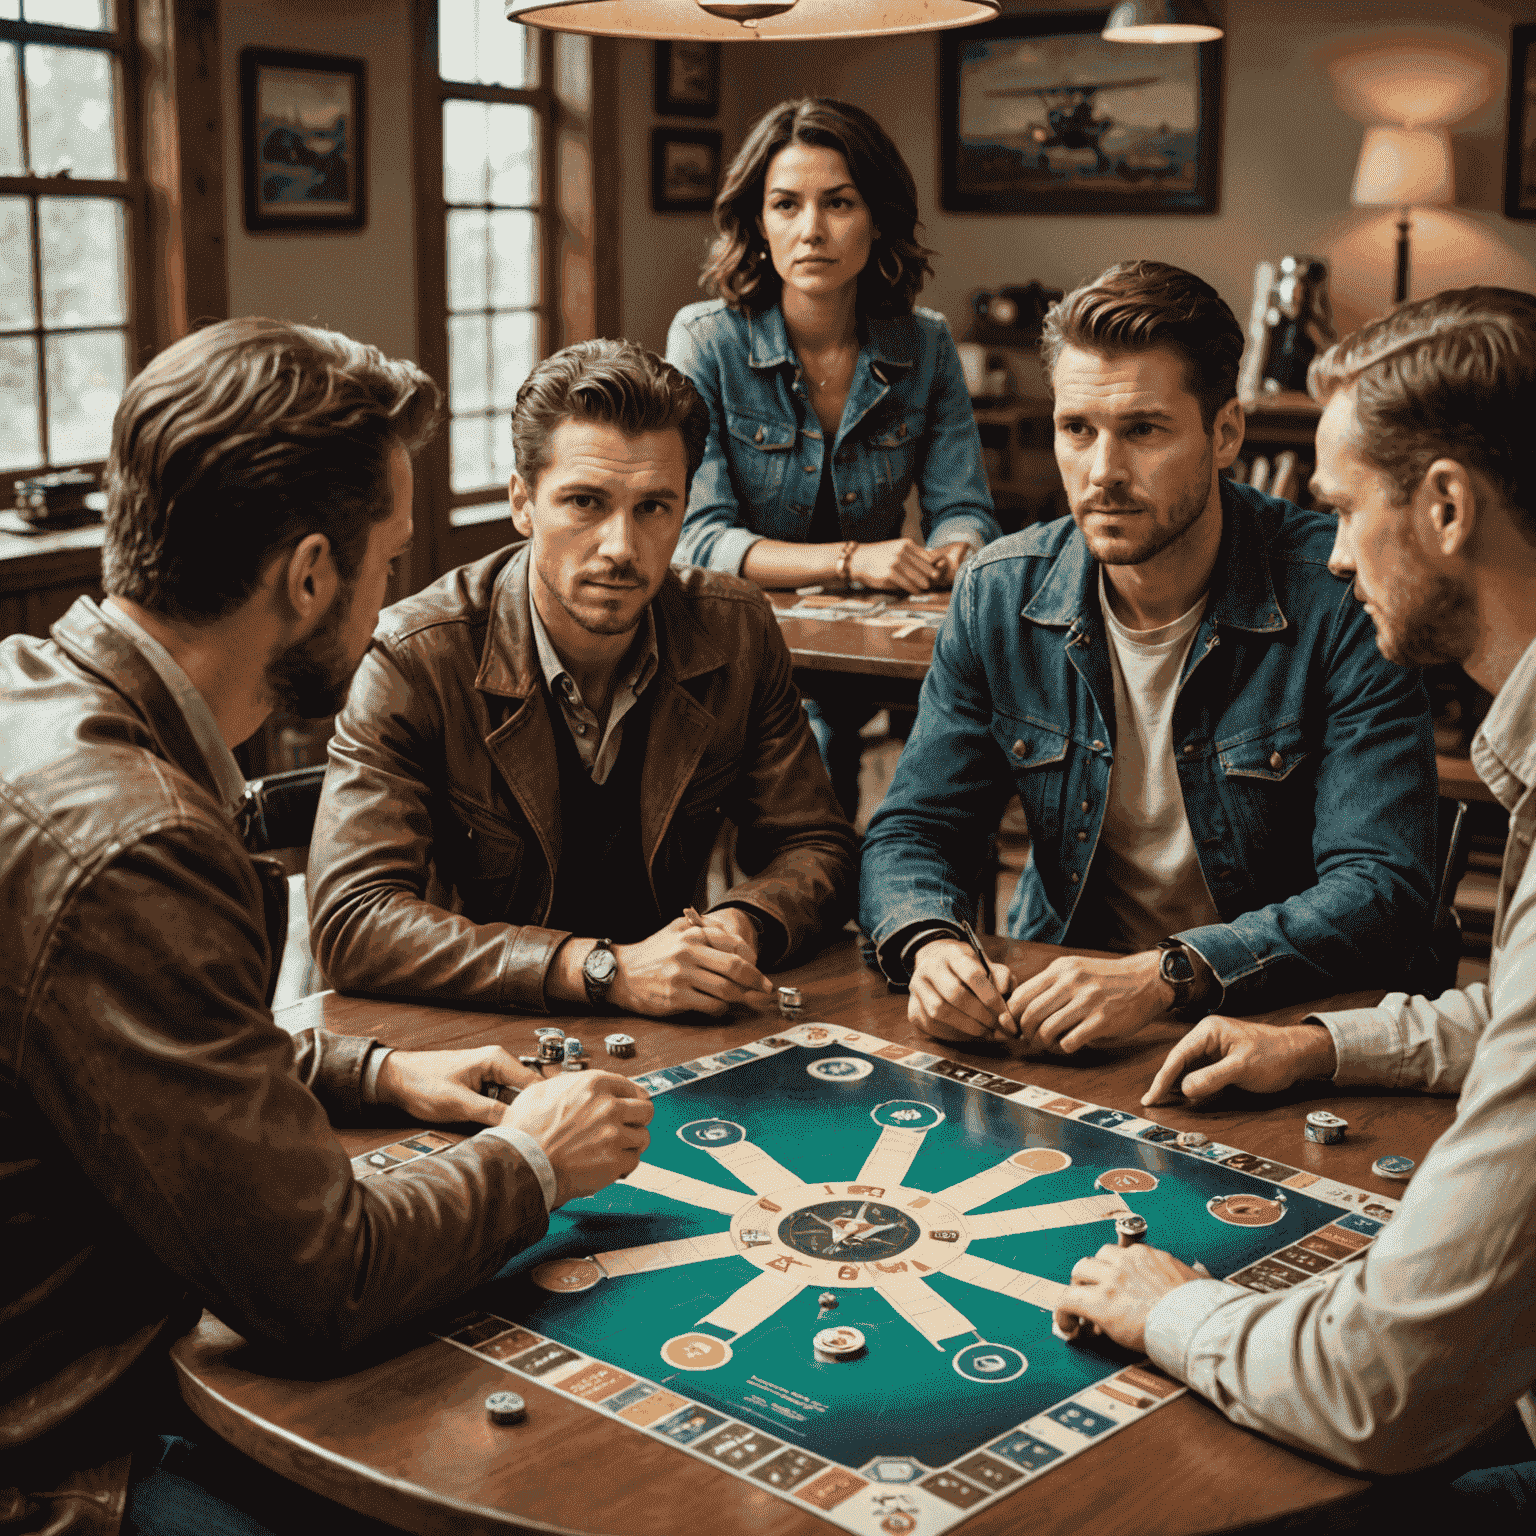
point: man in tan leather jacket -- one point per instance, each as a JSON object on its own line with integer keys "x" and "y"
{"x": 539, "y": 749}
{"x": 164, "y": 1145}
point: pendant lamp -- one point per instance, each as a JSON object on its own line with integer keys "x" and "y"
{"x": 727, "y": 21}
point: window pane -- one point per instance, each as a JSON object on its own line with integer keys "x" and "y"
{"x": 10, "y": 10}
{"x": 514, "y": 340}
{"x": 82, "y": 254}
{"x": 69, "y": 104}
{"x": 514, "y": 260}
{"x": 476, "y": 42}
{"x": 513, "y": 136}
{"x": 468, "y": 362}
{"x": 10, "y": 114}
{"x": 464, "y": 156}
{"x": 15, "y": 263}
{"x": 19, "y": 445}
{"x": 86, "y": 375}
{"x": 466, "y": 260}
{"x": 573, "y": 70}
{"x": 469, "y": 450}
{"x": 502, "y": 463}
{"x": 71, "y": 13}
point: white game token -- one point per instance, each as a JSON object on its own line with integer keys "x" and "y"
{"x": 505, "y": 1408}
{"x": 620, "y": 1045}
{"x": 1193, "y": 1139}
{"x": 840, "y": 1343}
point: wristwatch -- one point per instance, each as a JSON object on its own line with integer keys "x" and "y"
{"x": 598, "y": 971}
{"x": 1177, "y": 968}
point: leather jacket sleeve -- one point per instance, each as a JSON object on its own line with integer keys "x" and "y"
{"x": 381, "y": 920}
{"x": 149, "y": 1050}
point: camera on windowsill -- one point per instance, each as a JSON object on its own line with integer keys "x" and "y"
{"x": 67, "y": 498}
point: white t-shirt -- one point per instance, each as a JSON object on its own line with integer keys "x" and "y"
{"x": 1146, "y": 872}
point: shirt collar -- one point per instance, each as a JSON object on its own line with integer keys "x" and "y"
{"x": 889, "y": 340}
{"x": 1504, "y": 748}
{"x": 194, "y": 707}
{"x": 554, "y": 669}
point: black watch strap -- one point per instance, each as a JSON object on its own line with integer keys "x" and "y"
{"x": 1179, "y": 968}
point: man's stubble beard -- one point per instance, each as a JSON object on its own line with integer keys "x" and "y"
{"x": 311, "y": 678}
{"x": 1433, "y": 625}
{"x": 601, "y": 626}
{"x": 1186, "y": 513}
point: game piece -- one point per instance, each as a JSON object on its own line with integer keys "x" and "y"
{"x": 827, "y": 1303}
{"x": 620, "y": 1045}
{"x": 1393, "y": 1167}
{"x": 789, "y": 1002}
{"x": 551, "y": 1043}
{"x": 840, "y": 1343}
{"x": 1325, "y": 1128}
{"x": 1130, "y": 1229}
{"x": 1192, "y": 1139}
{"x": 572, "y": 1048}
{"x": 574, "y": 1064}
{"x": 505, "y": 1408}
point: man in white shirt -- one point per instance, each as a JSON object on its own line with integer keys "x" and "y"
{"x": 1403, "y": 1359}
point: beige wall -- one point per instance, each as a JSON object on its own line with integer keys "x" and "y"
{"x": 360, "y": 282}
{"x": 1287, "y": 161}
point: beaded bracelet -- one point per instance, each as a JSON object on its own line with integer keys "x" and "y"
{"x": 844, "y": 567}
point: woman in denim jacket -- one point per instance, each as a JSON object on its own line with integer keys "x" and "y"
{"x": 813, "y": 341}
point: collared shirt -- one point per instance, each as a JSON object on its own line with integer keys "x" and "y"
{"x": 231, "y": 785}
{"x": 1399, "y": 1360}
{"x": 193, "y": 706}
{"x": 598, "y": 744}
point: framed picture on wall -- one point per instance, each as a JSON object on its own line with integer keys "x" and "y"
{"x": 301, "y": 140}
{"x": 1038, "y": 114}
{"x": 687, "y": 79}
{"x": 685, "y": 169}
{"x": 1520, "y": 144}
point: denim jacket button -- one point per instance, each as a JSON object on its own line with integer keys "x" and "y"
{"x": 1082, "y": 837}
{"x": 1098, "y": 746}
{"x": 1085, "y": 805}
{"x": 849, "y": 497}
{"x": 758, "y": 436}
{"x": 1021, "y": 749}
{"x": 1073, "y": 877}
{"x": 810, "y": 469}
{"x": 1189, "y": 749}
{"x": 1276, "y": 761}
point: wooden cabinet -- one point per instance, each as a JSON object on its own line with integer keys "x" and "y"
{"x": 41, "y": 574}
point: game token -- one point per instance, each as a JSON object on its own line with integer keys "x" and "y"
{"x": 789, "y": 1002}
{"x": 571, "y": 1049}
{"x": 827, "y": 1303}
{"x": 1193, "y": 1139}
{"x": 1130, "y": 1229}
{"x": 505, "y": 1408}
{"x": 1325, "y": 1128}
{"x": 840, "y": 1343}
{"x": 620, "y": 1045}
{"x": 551, "y": 1041}
{"x": 1393, "y": 1167}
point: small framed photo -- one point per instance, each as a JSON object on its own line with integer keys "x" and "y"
{"x": 1520, "y": 144}
{"x": 301, "y": 141}
{"x": 685, "y": 169}
{"x": 687, "y": 79}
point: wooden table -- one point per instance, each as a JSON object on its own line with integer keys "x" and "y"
{"x": 401, "y": 1433}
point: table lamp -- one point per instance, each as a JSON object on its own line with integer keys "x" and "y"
{"x": 1404, "y": 168}
{"x": 1160, "y": 21}
{"x": 724, "y": 21}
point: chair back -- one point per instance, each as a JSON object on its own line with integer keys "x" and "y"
{"x": 279, "y": 813}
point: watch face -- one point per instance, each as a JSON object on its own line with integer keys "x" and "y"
{"x": 600, "y": 965}
{"x": 1176, "y": 967}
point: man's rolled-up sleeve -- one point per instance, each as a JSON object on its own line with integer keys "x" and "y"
{"x": 150, "y": 1051}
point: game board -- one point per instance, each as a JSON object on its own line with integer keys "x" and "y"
{"x": 942, "y": 1208}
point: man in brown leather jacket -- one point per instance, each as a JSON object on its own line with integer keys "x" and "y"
{"x": 539, "y": 749}
{"x": 164, "y": 1145}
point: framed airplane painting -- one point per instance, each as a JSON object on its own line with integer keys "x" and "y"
{"x": 1038, "y": 114}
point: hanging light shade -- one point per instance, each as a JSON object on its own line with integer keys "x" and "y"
{"x": 727, "y": 21}
{"x": 1160, "y": 21}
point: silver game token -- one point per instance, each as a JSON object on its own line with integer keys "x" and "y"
{"x": 505, "y": 1408}
{"x": 620, "y": 1045}
{"x": 789, "y": 1002}
{"x": 1394, "y": 1167}
{"x": 1192, "y": 1139}
{"x": 840, "y": 1343}
{"x": 1130, "y": 1229}
{"x": 1325, "y": 1128}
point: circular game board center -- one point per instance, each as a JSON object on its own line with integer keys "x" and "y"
{"x": 852, "y": 1230}
{"x": 1245, "y": 1210}
{"x": 1041, "y": 1160}
{"x": 565, "y": 1275}
{"x": 696, "y": 1352}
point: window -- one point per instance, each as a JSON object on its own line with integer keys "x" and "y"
{"x": 69, "y": 210}
{"x": 508, "y": 233}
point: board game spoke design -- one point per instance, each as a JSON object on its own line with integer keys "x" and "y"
{"x": 847, "y": 1276}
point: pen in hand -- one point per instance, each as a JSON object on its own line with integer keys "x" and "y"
{"x": 1006, "y": 1023}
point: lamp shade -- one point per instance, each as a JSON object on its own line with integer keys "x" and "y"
{"x": 1160, "y": 21}
{"x": 1404, "y": 167}
{"x": 727, "y": 21}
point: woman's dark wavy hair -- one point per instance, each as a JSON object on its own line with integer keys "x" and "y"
{"x": 739, "y": 268}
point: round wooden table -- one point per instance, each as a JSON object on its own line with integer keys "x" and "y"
{"x": 399, "y": 1430}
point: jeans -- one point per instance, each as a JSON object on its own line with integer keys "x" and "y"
{"x": 191, "y": 1484}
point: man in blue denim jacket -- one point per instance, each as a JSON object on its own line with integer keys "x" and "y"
{"x": 1223, "y": 778}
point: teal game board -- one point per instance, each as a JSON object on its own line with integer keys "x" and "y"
{"x": 825, "y": 1179}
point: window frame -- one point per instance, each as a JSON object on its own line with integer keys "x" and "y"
{"x": 442, "y": 542}
{"x": 131, "y": 190}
